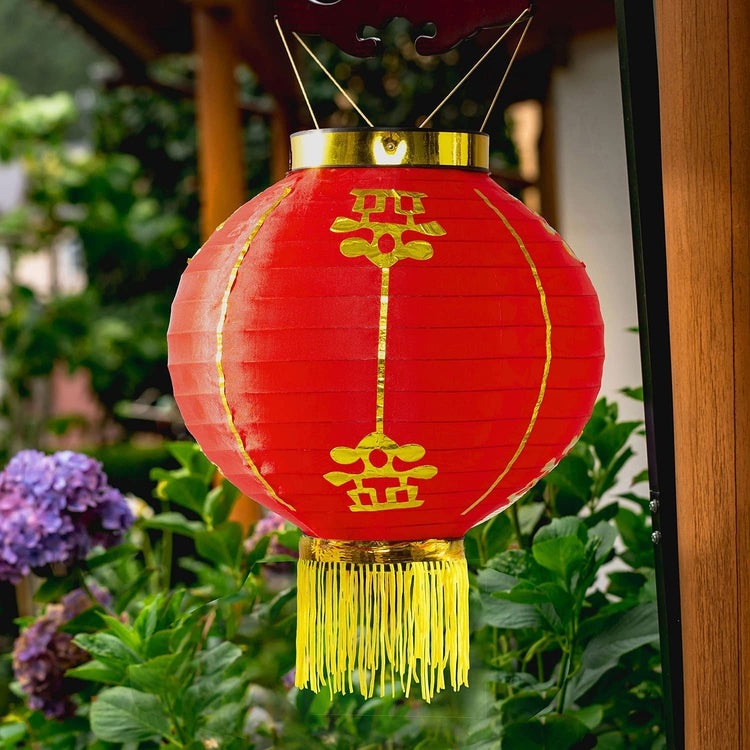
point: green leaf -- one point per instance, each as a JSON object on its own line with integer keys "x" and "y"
{"x": 223, "y": 722}
{"x": 504, "y": 614}
{"x": 591, "y": 716}
{"x": 524, "y": 593}
{"x": 521, "y": 565}
{"x": 563, "y": 731}
{"x": 634, "y": 393}
{"x": 158, "y": 474}
{"x": 493, "y": 580}
{"x": 125, "y": 633}
{"x": 220, "y": 657}
{"x": 122, "y": 714}
{"x": 108, "y": 649}
{"x": 566, "y": 503}
{"x": 223, "y": 545}
{"x": 111, "y": 555}
{"x": 96, "y": 671}
{"x": 173, "y": 521}
{"x": 471, "y": 549}
{"x": 636, "y": 535}
{"x": 129, "y": 592}
{"x": 192, "y": 458}
{"x": 611, "y": 741}
{"x": 558, "y": 546}
{"x": 522, "y": 706}
{"x": 53, "y": 589}
{"x": 556, "y": 733}
{"x": 159, "y": 643}
{"x": 276, "y": 559}
{"x": 637, "y": 627}
{"x": 289, "y": 537}
{"x": 607, "y": 480}
{"x": 497, "y": 534}
{"x": 147, "y": 619}
{"x": 11, "y": 735}
{"x": 641, "y": 476}
{"x": 189, "y": 492}
{"x": 612, "y": 439}
{"x": 624, "y": 583}
{"x": 220, "y": 501}
{"x": 606, "y": 534}
{"x": 572, "y": 475}
{"x": 637, "y": 499}
{"x": 88, "y": 621}
{"x": 529, "y": 516}
{"x": 559, "y": 555}
{"x": 562, "y": 527}
{"x": 605, "y": 513}
{"x": 278, "y": 602}
{"x": 560, "y": 599}
{"x": 153, "y": 676}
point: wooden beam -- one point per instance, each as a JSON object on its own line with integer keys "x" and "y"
{"x": 220, "y": 149}
{"x": 220, "y": 152}
{"x": 703, "y": 60}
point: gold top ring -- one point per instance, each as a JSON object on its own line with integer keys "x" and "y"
{"x": 378, "y": 147}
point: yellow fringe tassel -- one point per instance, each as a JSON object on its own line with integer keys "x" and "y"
{"x": 403, "y": 622}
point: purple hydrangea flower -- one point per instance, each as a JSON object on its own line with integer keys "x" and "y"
{"x": 42, "y": 655}
{"x": 269, "y": 524}
{"x": 289, "y": 678}
{"x": 54, "y": 509}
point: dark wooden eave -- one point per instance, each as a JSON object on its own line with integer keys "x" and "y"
{"x": 138, "y": 31}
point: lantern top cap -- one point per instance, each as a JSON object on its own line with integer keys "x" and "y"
{"x": 384, "y": 147}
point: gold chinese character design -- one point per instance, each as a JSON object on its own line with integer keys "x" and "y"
{"x": 387, "y": 246}
{"x": 386, "y": 249}
{"x": 400, "y": 494}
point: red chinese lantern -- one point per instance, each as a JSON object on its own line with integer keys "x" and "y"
{"x": 386, "y": 348}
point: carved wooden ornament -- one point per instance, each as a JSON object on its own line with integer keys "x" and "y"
{"x": 343, "y": 21}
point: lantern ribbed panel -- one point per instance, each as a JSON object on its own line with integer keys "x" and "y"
{"x": 491, "y": 359}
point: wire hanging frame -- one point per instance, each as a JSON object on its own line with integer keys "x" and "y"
{"x": 325, "y": 70}
{"x": 528, "y": 12}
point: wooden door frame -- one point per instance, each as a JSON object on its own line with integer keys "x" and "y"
{"x": 687, "y": 123}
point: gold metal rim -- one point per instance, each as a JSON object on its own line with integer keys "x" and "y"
{"x": 376, "y": 147}
{"x": 340, "y": 551}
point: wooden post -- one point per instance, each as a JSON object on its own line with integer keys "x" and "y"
{"x": 220, "y": 152}
{"x": 220, "y": 149}
{"x": 704, "y": 53}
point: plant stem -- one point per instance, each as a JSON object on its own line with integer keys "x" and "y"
{"x": 562, "y": 680}
{"x": 166, "y": 552}
{"x": 539, "y": 666}
{"x": 516, "y": 525}
{"x": 565, "y": 671}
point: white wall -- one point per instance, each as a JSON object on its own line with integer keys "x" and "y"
{"x": 592, "y": 194}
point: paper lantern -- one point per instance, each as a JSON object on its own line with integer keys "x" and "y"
{"x": 386, "y": 348}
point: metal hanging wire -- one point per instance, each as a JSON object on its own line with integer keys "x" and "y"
{"x": 296, "y": 73}
{"x": 505, "y": 75}
{"x": 528, "y": 12}
{"x": 307, "y": 49}
{"x": 333, "y": 80}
